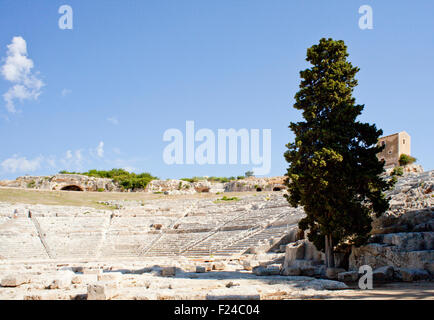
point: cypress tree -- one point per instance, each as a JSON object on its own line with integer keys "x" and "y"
{"x": 334, "y": 172}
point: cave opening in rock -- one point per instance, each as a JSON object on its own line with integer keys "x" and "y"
{"x": 258, "y": 189}
{"x": 72, "y": 188}
{"x": 277, "y": 189}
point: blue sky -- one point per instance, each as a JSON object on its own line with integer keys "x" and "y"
{"x": 129, "y": 70}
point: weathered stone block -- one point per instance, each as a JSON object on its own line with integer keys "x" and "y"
{"x": 409, "y": 275}
{"x": 233, "y": 294}
{"x": 168, "y": 271}
{"x": 332, "y": 273}
{"x": 200, "y": 269}
{"x": 99, "y": 291}
{"x": 291, "y": 271}
{"x": 273, "y": 269}
{"x": 15, "y": 280}
{"x": 219, "y": 266}
{"x": 107, "y": 276}
{"x": 294, "y": 251}
{"x": 249, "y": 264}
{"x": 383, "y": 274}
{"x": 92, "y": 271}
{"x": 349, "y": 276}
{"x": 76, "y": 280}
{"x": 307, "y": 271}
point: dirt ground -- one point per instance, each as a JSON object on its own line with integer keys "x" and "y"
{"x": 91, "y": 199}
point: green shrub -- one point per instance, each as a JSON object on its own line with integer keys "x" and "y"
{"x": 249, "y": 174}
{"x": 405, "y": 159}
{"x": 100, "y": 190}
{"x": 398, "y": 171}
{"x": 126, "y": 180}
{"x": 229, "y": 199}
{"x": 31, "y": 184}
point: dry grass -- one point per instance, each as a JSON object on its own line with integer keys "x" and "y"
{"x": 90, "y": 199}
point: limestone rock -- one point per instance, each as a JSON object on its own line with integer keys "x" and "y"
{"x": 348, "y": 276}
{"x": 304, "y": 255}
{"x": 291, "y": 271}
{"x": 308, "y": 271}
{"x": 15, "y": 280}
{"x": 249, "y": 264}
{"x": 171, "y": 186}
{"x": 233, "y": 294}
{"x": 332, "y": 273}
{"x": 273, "y": 269}
{"x": 107, "y": 276}
{"x": 378, "y": 255}
{"x": 100, "y": 291}
{"x": 256, "y": 184}
{"x": 409, "y": 275}
{"x": 383, "y": 274}
{"x": 322, "y": 284}
{"x": 200, "y": 269}
{"x": 168, "y": 271}
{"x": 74, "y": 182}
{"x": 219, "y": 266}
{"x": 76, "y": 280}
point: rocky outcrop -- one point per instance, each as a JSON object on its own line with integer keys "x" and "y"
{"x": 69, "y": 182}
{"x": 78, "y": 182}
{"x": 170, "y": 186}
{"x": 302, "y": 258}
{"x": 256, "y": 184}
{"x": 403, "y": 237}
{"x": 407, "y": 169}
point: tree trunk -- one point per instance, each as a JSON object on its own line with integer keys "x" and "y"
{"x": 329, "y": 257}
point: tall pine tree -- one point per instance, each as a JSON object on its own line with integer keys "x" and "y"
{"x": 334, "y": 172}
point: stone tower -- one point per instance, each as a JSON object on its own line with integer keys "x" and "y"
{"x": 396, "y": 144}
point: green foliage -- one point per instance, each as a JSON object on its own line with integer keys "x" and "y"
{"x": 249, "y": 174}
{"x": 31, "y": 184}
{"x": 398, "y": 171}
{"x": 334, "y": 172}
{"x": 405, "y": 159}
{"x": 225, "y": 198}
{"x": 100, "y": 190}
{"x": 127, "y": 180}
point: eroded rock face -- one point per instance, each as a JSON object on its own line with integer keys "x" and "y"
{"x": 410, "y": 168}
{"x": 403, "y": 237}
{"x": 70, "y": 182}
{"x": 171, "y": 186}
{"x": 256, "y": 184}
{"x": 302, "y": 257}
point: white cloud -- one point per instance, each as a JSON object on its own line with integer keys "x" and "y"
{"x": 16, "y": 163}
{"x": 78, "y": 155}
{"x": 65, "y": 92}
{"x": 72, "y": 160}
{"x": 113, "y": 120}
{"x": 100, "y": 149}
{"x": 18, "y": 70}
